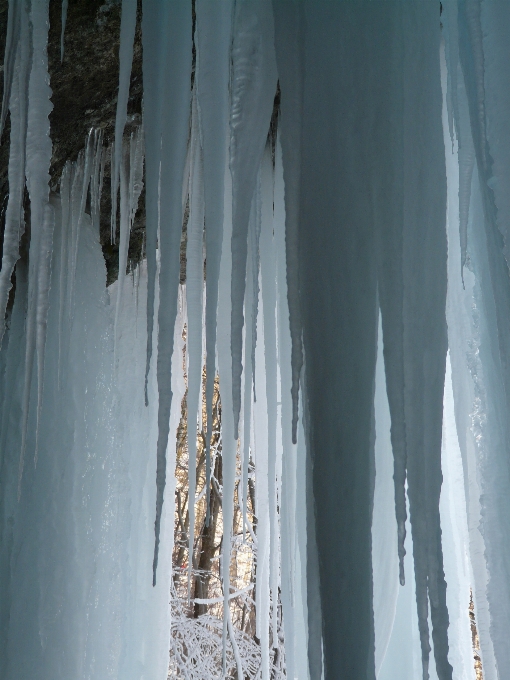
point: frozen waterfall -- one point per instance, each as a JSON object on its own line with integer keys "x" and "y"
{"x": 278, "y": 444}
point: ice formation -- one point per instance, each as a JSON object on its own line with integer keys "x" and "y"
{"x": 341, "y": 170}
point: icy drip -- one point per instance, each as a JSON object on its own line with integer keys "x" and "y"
{"x": 194, "y": 291}
{"x": 213, "y": 39}
{"x": 175, "y": 64}
{"x": 253, "y": 88}
{"x": 127, "y": 35}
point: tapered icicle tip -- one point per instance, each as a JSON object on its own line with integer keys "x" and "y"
{"x": 401, "y": 552}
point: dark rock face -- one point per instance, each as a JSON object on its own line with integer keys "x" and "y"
{"x": 84, "y": 96}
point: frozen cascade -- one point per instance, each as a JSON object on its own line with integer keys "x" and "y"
{"x": 331, "y": 180}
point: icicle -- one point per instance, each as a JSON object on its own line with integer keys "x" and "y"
{"x": 127, "y": 36}
{"x": 248, "y": 366}
{"x": 79, "y": 195}
{"x": 289, "y": 29}
{"x": 38, "y": 158}
{"x": 66, "y": 182}
{"x": 194, "y": 289}
{"x": 268, "y": 277}
{"x": 449, "y": 18}
{"x": 466, "y": 151}
{"x": 153, "y": 71}
{"x": 260, "y": 439}
{"x": 229, "y": 445}
{"x": 174, "y": 64}
{"x": 136, "y": 158}
{"x": 96, "y": 180}
{"x": 289, "y": 481}
{"x": 213, "y": 40}
{"x": 65, "y": 4}
{"x": 43, "y": 288}
{"x": 425, "y": 333}
{"x": 125, "y": 228}
{"x": 75, "y": 203}
{"x": 131, "y": 184}
{"x": 253, "y": 86}
{"x": 16, "y": 9}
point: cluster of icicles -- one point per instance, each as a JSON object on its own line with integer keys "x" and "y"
{"x": 393, "y": 137}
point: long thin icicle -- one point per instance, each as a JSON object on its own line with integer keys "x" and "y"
{"x": 127, "y": 36}
{"x": 254, "y": 79}
{"x": 125, "y": 228}
{"x": 131, "y": 172}
{"x": 175, "y": 64}
{"x": 260, "y": 438}
{"x": 248, "y": 372}
{"x": 213, "y": 38}
{"x": 289, "y": 480}
{"x": 153, "y": 71}
{"x": 228, "y": 442}
{"x": 268, "y": 276}
{"x": 289, "y": 27}
{"x": 194, "y": 291}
